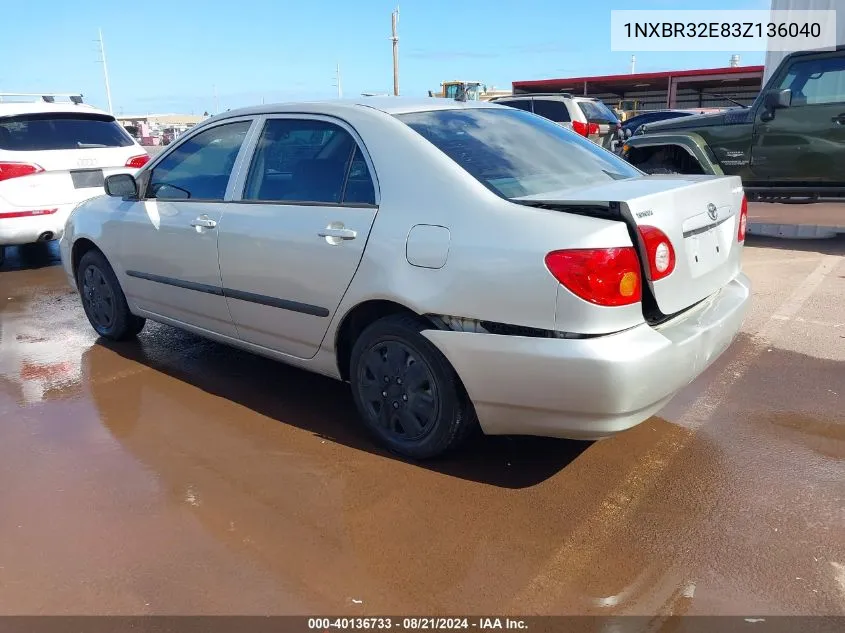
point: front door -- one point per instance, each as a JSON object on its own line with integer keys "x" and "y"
{"x": 805, "y": 143}
{"x": 169, "y": 238}
{"x": 290, "y": 247}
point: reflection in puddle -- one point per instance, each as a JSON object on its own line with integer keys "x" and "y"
{"x": 43, "y": 333}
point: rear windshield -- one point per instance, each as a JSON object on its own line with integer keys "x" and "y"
{"x": 48, "y": 131}
{"x": 597, "y": 112}
{"x": 515, "y": 153}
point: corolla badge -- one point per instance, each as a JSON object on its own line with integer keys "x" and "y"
{"x": 712, "y": 213}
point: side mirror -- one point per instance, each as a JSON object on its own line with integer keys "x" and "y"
{"x": 121, "y": 186}
{"x": 776, "y": 99}
{"x": 628, "y": 133}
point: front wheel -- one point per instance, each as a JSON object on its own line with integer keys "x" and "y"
{"x": 103, "y": 299}
{"x": 407, "y": 393}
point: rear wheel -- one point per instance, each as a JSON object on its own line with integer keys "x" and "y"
{"x": 407, "y": 393}
{"x": 103, "y": 299}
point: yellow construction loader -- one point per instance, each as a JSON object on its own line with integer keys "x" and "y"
{"x": 472, "y": 90}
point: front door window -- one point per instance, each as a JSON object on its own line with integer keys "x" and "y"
{"x": 199, "y": 168}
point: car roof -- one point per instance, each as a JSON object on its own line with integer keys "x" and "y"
{"x": 13, "y": 108}
{"x": 388, "y": 105}
{"x": 663, "y": 110}
{"x": 536, "y": 95}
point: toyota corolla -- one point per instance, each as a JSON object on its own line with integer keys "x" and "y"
{"x": 460, "y": 264}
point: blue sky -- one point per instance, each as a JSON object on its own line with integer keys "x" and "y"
{"x": 169, "y": 55}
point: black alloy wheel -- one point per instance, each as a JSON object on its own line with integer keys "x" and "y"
{"x": 98, "y": 298}
{"x": 407, "y": 393}
{"x": 398, "y": 390}
{"x": 103, "y": 299}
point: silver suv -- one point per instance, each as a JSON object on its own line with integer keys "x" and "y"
{"x": 587, "y": 116}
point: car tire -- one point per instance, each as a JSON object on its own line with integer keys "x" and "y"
{"x": 400, "y": 379}
{"x": 103, "y": 299}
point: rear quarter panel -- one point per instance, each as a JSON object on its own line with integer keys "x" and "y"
{"x": 495, "y": 268}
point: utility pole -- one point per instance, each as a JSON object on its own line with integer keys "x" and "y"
{"x": 105, "y": 70}
{"x": 394, "y": 19}
{"x": 337, "y": 82}
{"x": 633, "y": 63}
{"x": 216, "y": 107}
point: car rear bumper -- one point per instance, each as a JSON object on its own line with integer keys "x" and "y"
{"x": 591, "y": 388}
{"x": 34, "y": 228}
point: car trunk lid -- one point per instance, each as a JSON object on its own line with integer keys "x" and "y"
{"x": 698, "y": 214}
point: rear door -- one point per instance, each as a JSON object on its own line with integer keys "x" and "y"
{"x": 75, "y": 151}
{"x": 292, "y": 243}
{"x": 805, "y": 143}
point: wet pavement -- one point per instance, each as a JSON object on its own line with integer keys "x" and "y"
{"x": 176, "y": 476}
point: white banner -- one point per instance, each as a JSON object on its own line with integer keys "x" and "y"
{"x": 724, "y": 30}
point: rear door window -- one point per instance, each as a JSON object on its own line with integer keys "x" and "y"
{"x": 359, "y": 184}
{"x": 553, "y": 110}
{"x": 308, "y": 160}
{"x": 59, "y": 131}
{"x": 199, "y": 168}
{"x": 519, "y": 104}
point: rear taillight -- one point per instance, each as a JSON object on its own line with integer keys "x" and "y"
{"x": 136, "y": 162}
{"x": 16, "y": 170}
{"x": 26, "y": 214}
{"x": 592, "y": 128}
{"x": 604, "y": 276}
{"x": 580, "y": 128}
{"x": 743, "y": 220}
{"x": 661, "y": 255}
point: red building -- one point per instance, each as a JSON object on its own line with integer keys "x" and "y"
{"x": 652, "y": 91}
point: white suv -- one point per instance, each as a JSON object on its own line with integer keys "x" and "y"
{"x": 586, "y": 116}
{"x": 52, "y": 157}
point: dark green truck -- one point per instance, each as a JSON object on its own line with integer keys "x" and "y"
{"x": 789, "y": 145}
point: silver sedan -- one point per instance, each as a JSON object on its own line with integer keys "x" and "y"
{"x": 460, "y": 264}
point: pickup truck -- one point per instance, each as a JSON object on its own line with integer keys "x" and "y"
{"x": 789, "y": 145}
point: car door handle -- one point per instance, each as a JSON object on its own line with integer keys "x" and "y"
{"x": 839, "y": 120}
{"x": 205, "y": 222}
{"x": 341, "y": 234}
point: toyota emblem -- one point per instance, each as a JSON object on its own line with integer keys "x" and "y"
{"x": 711, "y": 211}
